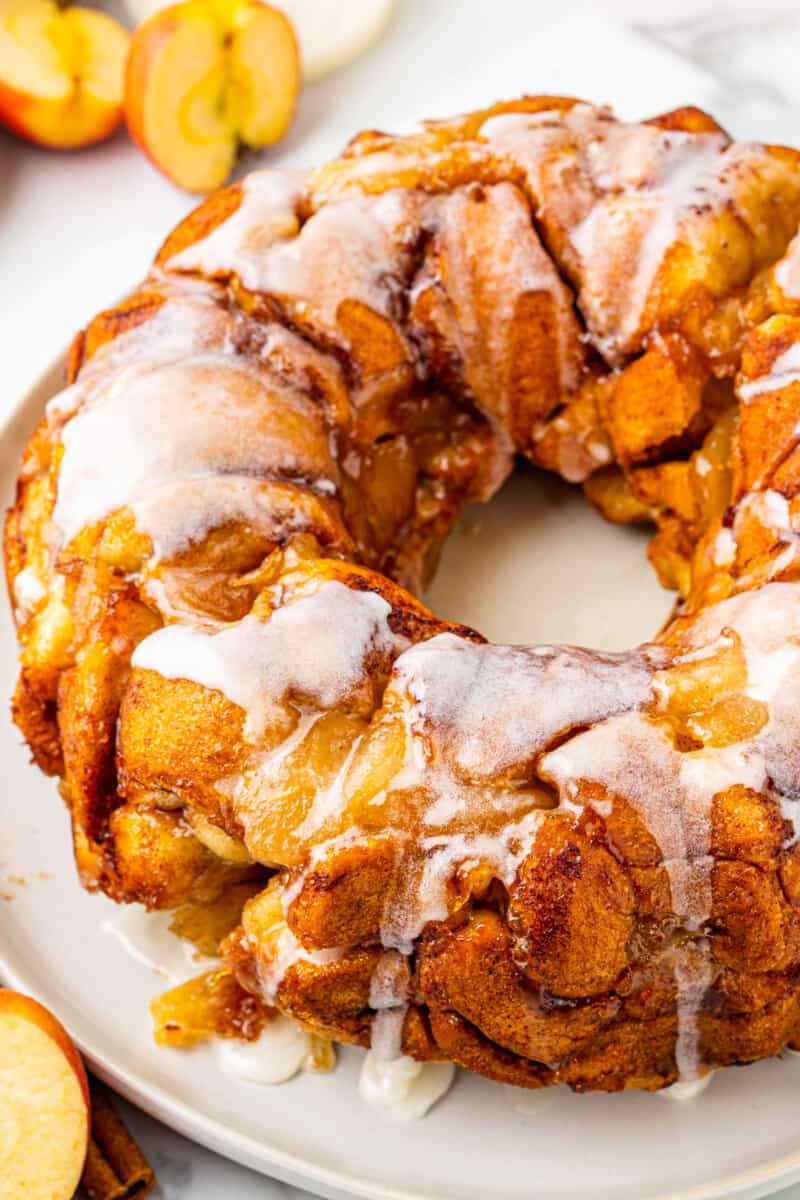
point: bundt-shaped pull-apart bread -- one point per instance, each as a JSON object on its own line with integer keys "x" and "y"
{"x": 543, "y": 863}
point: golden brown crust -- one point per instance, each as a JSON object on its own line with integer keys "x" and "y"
{"x": 201, "y": 221}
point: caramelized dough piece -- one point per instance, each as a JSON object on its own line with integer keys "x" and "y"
{"x": 157, "y": 861}
{"x": 570, "y": 910}
{"x": 470, "y": 970}
{"x": 656, "y": 404}
{"x": 88, "y": 699}
{"x": 768, "y": 416}
{"x": 486, "y": 258}
{"x": 341, "y": 902}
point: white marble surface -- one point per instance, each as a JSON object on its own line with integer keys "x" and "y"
{"x": 76, "y": 231}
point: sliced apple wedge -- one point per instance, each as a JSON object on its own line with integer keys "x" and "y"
{"x": 44, "y": 1104}
{"x": 205, "y": 76}
{"x": 61, "y": 73}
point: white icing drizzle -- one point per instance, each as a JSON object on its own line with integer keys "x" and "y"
{"x": 277, "y": 1055}
{"x": 177, "y": 515}
{"x": 170, "y": 602}
{"x": 250, "y": 791}
{"x": 578, "y": 452}
{"x": 770, "y": 508}
{"x": 222, "y": 423}
{"x": 634, "y": 758}
{"x": 401, "y": 1088}
{"x": 64, "y": 404}
{"x": 684, "y": 1090}
{"x": 780, "y": 743}
{"x": 289, "y": 951}
{"x": 621, "y": 196}
{"x": 768, "y": 622}
{"x": 267, "y": 213}
{"x": 672, "y": 791}
{"x": 285, "y": 955}
{"x": 313, "y": 649}
{"x": 694, "y": 973}
{"x": 422, "y": 892}
{"x": 686, "y": 168}
{"x": 388, "y": 996}
{"x": 473, "y": 711}
{"x": 327, "y": 802}
{"x": 391, "y": 981}
{"x": 359, "y": 247}
{"x": 785, "y": 370}
{"x": 488, "y": 708}
{"x": 351, "y": 248}
{"x": 600, "y": 454}
{"x": 773, "y": 512}
{"x": 175, "y": 401}
{"x": 391, "y": 1081}
{"x": 386, "y": 1035}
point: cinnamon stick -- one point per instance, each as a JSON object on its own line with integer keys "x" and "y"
{"x": 115, "y": 1167}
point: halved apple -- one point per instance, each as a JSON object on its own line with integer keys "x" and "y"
{"x": 61, "y": 73}
{"x": 205, "y": 76}
{"x": 44, "y": 1103}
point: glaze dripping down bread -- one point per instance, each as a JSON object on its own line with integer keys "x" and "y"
{"x": 543, "y": 863}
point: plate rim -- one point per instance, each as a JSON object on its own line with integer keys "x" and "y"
{"x": 261, "y": 1156}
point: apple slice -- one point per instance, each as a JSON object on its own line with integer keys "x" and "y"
{"x": 44, "y": 1103}
{"x": 61, "y": 73}
{"x": 205, "y": 76}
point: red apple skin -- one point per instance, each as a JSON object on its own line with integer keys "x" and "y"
{"x": 28, "y": 1009}
{"x": 145, "y": 47}
{"x": 15, "y": 108}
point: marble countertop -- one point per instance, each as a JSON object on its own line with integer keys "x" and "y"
{"x": 76, "y": 230}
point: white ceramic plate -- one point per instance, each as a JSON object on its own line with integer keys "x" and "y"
{"x": 537, "y": 563}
